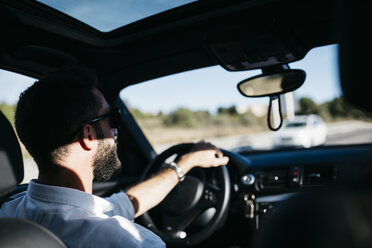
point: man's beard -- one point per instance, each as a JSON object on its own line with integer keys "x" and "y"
{"x": 105, "y": 161}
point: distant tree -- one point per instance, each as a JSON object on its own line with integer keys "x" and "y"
{"x": 308, "y": 106}
{"x": 248, "y": 119}
{"x": 182, "y": 117}
{"x": 223, "y": 120}
{"x": 324, "y": 112}
{"x": 137, "y": 114}
{"x": 203, "y": 117}
{"x": 229, "y": 111}
{"x": 340, "y": 108}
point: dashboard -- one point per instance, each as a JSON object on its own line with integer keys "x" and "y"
{"x": 267, "y": 179}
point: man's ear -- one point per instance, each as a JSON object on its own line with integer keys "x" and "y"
{"x": 88, "y": 136}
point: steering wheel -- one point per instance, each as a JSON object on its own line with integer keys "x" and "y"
{"x": 195, "y": 208}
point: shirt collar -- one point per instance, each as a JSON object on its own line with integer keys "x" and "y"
{"x": 68, "y": 196}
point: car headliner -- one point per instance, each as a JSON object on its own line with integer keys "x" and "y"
{"x": 37, "y": 39}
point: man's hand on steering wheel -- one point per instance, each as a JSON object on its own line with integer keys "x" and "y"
{"x": 204, "y": 155}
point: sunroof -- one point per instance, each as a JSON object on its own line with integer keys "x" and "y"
{"x": 107, "y": 15}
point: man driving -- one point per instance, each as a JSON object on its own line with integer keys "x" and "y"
{"x": 70, "y": 130}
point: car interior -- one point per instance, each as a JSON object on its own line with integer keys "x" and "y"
{"x": 319, "y": 196}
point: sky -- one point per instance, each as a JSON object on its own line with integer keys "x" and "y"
{"x": 206, "y": 88}
{"x": 11, "y": 85}
{"x": 111, "y": 14}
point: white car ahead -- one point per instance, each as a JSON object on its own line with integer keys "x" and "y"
{"x": 303, "y": 131}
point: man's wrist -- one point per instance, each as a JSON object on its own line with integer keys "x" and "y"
{"x": 179, "y": 172}
{"x": 185, "y": 163}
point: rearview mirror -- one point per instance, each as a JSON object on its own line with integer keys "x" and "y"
{"x": 272, "y": 84}
{"x": 274, "y": 81}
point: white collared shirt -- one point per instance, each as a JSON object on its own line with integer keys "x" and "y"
{"x": 80, "y": 219}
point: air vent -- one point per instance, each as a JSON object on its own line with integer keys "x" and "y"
{"x": 273, "y": 179}
{"x": 319, "y": 175}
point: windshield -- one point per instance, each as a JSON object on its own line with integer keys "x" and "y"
{"x": 205, "y": 104}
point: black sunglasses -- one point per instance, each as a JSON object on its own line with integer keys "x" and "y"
{"x": 114, "y": 118}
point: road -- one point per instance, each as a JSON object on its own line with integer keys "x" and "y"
{"x": 351, "y": 132}
{"x": 348, "y": 132}
{"x": 353, "y": 137}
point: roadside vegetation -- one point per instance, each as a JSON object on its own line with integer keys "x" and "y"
{"x": 184, "y": 124}
{"x": 8, "y": 111}
{"x": 335, "y": 110}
